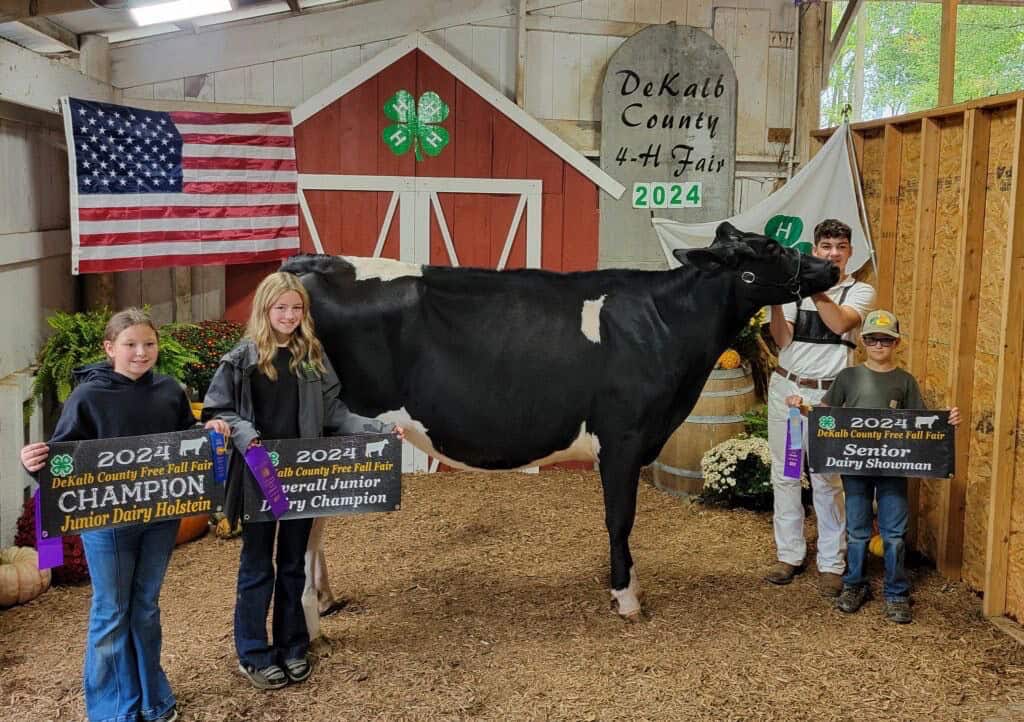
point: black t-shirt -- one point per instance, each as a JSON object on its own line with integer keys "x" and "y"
{"x": 276, "y": 403}
{"x": 861, "y": 388}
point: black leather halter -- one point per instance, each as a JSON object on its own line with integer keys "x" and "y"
{"x": 791, "y": 284}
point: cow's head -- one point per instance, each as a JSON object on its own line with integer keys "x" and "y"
{"x": 766, "y": 272}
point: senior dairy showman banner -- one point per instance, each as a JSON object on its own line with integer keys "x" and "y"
{"x": 880, "y": 442}
{"x": 88, "y": 485}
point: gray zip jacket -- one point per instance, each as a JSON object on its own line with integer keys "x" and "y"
{"x": 321, "y": 411}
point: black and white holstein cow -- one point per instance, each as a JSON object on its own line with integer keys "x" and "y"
{"x": 508, "y": 369}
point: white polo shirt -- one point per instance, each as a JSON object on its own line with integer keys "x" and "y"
{"x": 824, "y": 360}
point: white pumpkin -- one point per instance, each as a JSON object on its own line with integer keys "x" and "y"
{"x": 21, "y": 580}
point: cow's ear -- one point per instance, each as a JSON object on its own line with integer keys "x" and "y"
{"x": 702, "y": 258}
{"x": 726, "y": 232}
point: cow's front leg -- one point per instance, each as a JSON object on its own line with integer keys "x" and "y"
{"x": 619, "y": 477}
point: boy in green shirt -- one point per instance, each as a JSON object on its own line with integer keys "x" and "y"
{"x": 876, "y": 384}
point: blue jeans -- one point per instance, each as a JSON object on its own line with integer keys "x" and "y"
{"x": 257, "y": 584}
{"x": 123, "y": 676}
{"x": 892, "y": 525}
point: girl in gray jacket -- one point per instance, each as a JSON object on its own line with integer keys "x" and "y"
{"x": 275, "y": 384}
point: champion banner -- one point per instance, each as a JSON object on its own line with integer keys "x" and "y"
{"x": 826, "y": 187}
{"x": 101, "y": 483}
{"x": 353, "y": 474}
{"x": 151, "y": 189}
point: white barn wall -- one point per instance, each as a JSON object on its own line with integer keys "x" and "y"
{"x": 568, "y": 47}
{"x": 35, "y": 281}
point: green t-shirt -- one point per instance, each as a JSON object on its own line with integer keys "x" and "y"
{"x": 859, "y": 387}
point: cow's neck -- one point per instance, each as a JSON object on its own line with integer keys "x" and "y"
{"x": 719, "y": 323}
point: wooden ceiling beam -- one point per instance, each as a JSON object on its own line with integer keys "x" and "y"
{"x": 61, "y": 36}
{"x": 11, "y": 10}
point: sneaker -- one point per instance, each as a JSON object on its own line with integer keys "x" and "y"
{"x": 298, "y": 670}
{"x": 898, "y": 611}
{"x": 170, "y": 715}
{"x": 830, "y": 584}
{"x": 270, "y": 677}
{"x": 852, "y": 598}
{"x": 783, "y": 573}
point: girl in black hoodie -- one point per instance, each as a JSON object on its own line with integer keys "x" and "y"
{"x": 123, "y": 677}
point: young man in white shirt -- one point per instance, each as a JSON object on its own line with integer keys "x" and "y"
{"x": 816, "y": 342}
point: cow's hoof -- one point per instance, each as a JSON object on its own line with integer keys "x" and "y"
{"x": 626, "y": 603}
{"x": 634, "y": 617}
{"x": 631, "y": 615}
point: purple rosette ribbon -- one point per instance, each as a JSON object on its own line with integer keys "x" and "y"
{"x": 263, "y": 469}
{"x": 51, "y": 548}
{"x": 793, "y": 465}
{"x": 220, "y": 456}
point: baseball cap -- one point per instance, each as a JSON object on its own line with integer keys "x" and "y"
{"x": 881, "y": 322}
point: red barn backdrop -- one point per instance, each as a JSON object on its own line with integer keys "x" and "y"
{"x": 504, "y": 193}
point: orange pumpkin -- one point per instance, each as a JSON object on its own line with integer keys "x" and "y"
{"x": 729, "y": 359}
{"x": 21, "y": 579}
{"x": 192, "y": 527}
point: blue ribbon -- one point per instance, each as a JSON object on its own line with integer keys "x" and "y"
{"x": 220, "y": 456}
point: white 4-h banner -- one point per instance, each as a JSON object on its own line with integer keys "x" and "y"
{"x": 826, "y": 187}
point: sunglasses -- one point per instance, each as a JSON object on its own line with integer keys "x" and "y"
{"x": 883, "y": 341}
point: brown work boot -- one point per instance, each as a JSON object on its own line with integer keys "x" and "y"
{"x": 782, "y": 573}
{"x": 830, "y": 584}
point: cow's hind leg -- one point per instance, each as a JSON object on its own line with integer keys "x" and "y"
{"x": 619, "y": 478}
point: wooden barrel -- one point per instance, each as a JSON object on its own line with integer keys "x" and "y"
{"x": 717, "y": 416}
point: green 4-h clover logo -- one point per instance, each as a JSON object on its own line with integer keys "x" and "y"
{"x": 274, "y": 458}
{"x": 786, "y": 231}
{"x": 413, "y": 124}
{"x": 62, "y": 465}
{"x": 827, "y": 422}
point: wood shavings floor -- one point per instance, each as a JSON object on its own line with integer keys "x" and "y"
{"x": 486, "y": 598}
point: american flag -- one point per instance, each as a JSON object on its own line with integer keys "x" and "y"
{"x": 152, "y": 189}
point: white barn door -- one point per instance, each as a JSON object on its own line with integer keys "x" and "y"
{"x": 413, "y": 201}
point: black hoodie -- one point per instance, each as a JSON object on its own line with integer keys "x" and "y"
{"x": 106, "y": 404}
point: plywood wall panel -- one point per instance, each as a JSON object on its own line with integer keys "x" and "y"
{"x": 979, "y": 475}
{"x": 997, "y": 215}
{"x": 903, "y": 296}
{"x": 1015, "y": 576}
{"x": 935, "y": 386}
{"x": 871, "y": 182}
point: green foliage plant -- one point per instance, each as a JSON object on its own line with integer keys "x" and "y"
{"x": 901, "y": 57}
{"x": 755, "y": 421}
{"x": 77, "y": 341}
